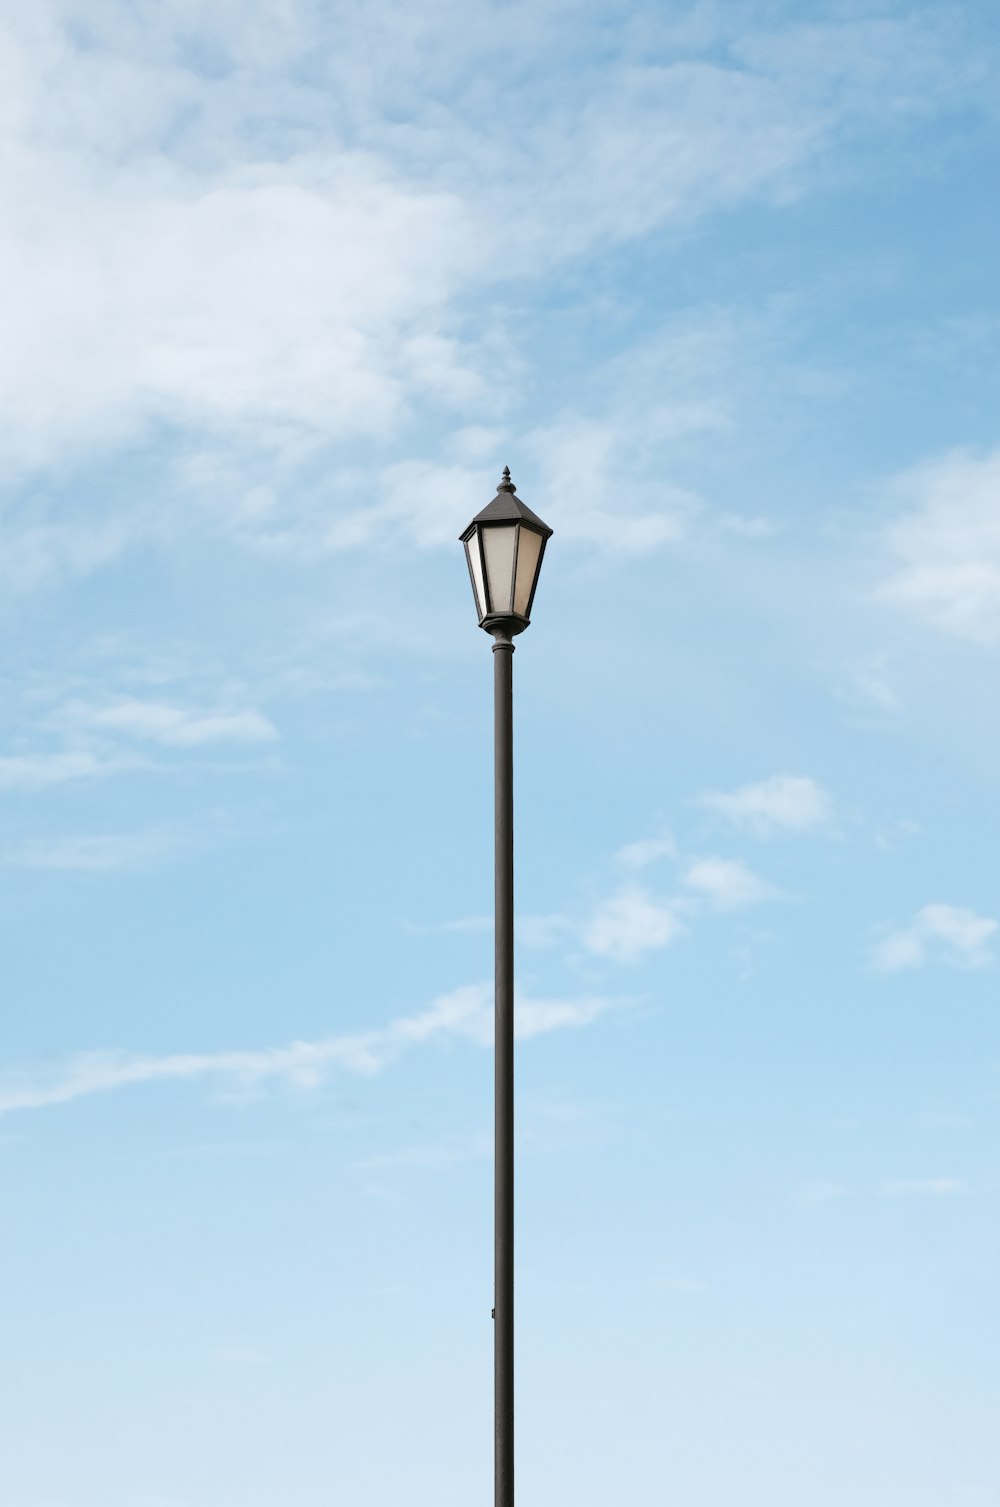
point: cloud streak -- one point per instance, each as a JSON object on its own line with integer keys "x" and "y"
{"x": 465, "y": 1014}
{"x": 39, "y": 771}
{"x": 174, "y": 726}
{"x": 94, "y": 853}
{"x": 924, "y": 1187}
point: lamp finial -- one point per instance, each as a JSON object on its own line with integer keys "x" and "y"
{"x": 506, "y": 485}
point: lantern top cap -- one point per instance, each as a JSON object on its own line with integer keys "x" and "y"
{"x": 507, "y": 507}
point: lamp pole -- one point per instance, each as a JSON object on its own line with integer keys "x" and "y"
{"x": 504, "y": 545}
{"x": 503, "y": 1051}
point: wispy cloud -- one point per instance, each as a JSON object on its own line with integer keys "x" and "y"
{"x": 459, "y": 926}
{"x": 785, "y": 803}
{"x": 445, "y": 492}
{"x": 631, "y": 923}
{"x": 535, "y": 1017}
{"x": 949, "y": 933}
{"x": 38, "y": 771}
{"x": 93, "y": 852}
{"x": 296, "y": 270}
{"x": 582, "y": 461}
{"x": 924, "y": 1187}
{"x": 727, "y": 883}
{"x": 820, "y": 1192}
{"x": 292, "y": 299}
{"x": 102, "y": 738}
{"x": 647, "y": 850}
{"x": 173, "y": 726}
{"x": 465, "y": 1014}
{"x": 871, "y": 686}
{"x": 543, "y": 931}
{"x": 946, "y": 546}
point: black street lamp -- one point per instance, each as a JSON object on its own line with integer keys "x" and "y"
{"x": 504, "y": 545}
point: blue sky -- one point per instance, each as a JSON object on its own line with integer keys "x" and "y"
{"x": 285, "y": 284}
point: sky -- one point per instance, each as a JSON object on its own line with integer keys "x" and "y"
{"x": 284, "y": 285}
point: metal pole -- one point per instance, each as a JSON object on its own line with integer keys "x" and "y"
{"x": 503, "y": 1250}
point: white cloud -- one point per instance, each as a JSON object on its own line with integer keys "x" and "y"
{"x": 542, "y": 931}
{"x": 297, "y": 293}
{"x": 93, "y": 853}
{"x": 36, "y": 547}
{"x": 466, "y": 1013}
{"x": 640, "y": 854}
{"x": 281, "y": 248}
{"x": 871, "y": 684}
{"x": 923, "y": 1187}
{"x": 820, "y": 1192}
{"x": 534, "y": 1017}
{"x": 40, "y": 770}
{"x": 127, "y": 718}
{"x": 447, "y": 500}
{"x": 946, "y": 544}
{"x": 629, "y": 924}
{"x": 461, "y": 924}
{"x": 747, "y": 528}
{"x": 727, "y": 883}
{"x": 899, "y": 949}
{"x": 949, "y": 933}
{"x": 594, "y": 490}
{"x": 174, "y": 726}
{"x": 784, "y": 803}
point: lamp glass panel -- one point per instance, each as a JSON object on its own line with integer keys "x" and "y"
{"x": 498, "y": 547}
{"x": 528, "y": 552}
{"x": 476, "y": 567}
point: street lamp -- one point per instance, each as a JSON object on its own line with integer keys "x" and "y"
{"x": 504, "y": 545}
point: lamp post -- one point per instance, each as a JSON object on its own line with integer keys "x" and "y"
{"x": 504, "y": 545}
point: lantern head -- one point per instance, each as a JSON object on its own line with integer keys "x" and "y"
{"x": 504, "y": 545}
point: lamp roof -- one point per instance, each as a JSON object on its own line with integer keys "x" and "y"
{"x": 507, "y": 507}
